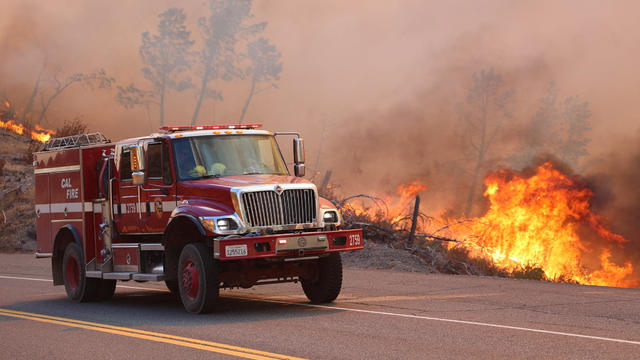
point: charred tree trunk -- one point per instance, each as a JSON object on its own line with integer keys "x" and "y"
{"x": 203, "y": 91}
{"x": 162, "y": 91}
{"x": 482, "y": 149}
{"x": 32, "y": 98}
{"x": 45, "y": 106}
{"x": 414, "y": 221}
{"x": 246, "y": 103}
{"x": 325, "y": 181}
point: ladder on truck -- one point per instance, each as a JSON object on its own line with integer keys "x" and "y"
{"x": 75, "y": 141}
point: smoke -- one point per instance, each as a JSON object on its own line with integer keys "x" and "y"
{"x": 614, "y": 180}
{"x": 373, "y": 86}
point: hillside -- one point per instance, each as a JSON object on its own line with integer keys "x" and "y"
{"x": 17, "y": 218}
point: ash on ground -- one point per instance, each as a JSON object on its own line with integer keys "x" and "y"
{"x": 383, "y": 256}
{"x": 380, "y": 256}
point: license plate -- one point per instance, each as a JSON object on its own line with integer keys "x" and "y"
{"x": 236, "y": 250}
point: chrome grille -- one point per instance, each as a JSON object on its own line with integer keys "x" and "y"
{"x": 267, "y": 208}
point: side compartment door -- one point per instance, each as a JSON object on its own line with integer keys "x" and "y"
{"x": 159, "y": 189}
{"x": 125, "y": 208}
{"x": 43, "y": 214}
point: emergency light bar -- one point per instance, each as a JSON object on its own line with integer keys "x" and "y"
{"x": 209, "y": 127}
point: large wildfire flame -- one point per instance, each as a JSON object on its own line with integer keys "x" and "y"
{"x": 545, "y": 220}
{"x": 542, "y": 220}
{"x": 38, "y": 134}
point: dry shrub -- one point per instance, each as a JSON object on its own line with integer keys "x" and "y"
{"x": 483, "y": 265}
{"x": 531, "y": 272}
{"x": 33, "y": 146}
{"x": 2, "y": 163}
{"x": 74, "y": 126}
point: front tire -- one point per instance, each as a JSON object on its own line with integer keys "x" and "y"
{"x": 78, "y": 286}
{"x": 198, "y": 279}
{"x": 327, "y": 284}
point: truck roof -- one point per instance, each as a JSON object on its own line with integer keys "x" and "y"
{"x": 195, "y": 133}
{"x": 222, "y": 132}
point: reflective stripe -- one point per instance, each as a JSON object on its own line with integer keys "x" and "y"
{"x": 42, "y": 209}
{"x": 167, "y": 206}
{"x": 59, "y": 208}
{"x": 66, "y": 207}
{"x": 58, "y": 169}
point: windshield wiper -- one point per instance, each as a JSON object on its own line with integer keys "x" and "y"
{"x": 210, "y": 176}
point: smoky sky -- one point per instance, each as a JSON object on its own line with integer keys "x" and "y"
{"x": 372, "y": 85}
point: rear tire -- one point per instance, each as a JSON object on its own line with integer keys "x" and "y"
{"x": 78, "y": 286}
{"x": 198, "y": 279}
{"x": 328, "y": 283}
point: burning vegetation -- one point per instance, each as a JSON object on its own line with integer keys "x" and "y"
{"x": 8, "y": 122}
{"x": 539, "y": 224}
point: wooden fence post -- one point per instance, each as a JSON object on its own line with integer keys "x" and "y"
{"x": 414, "y": 220}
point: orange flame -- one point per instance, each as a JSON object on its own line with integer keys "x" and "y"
{"x": 543, "y": 220}
{"x": 12, "y": 126}
{"x": 39, "y": 134}
{"x": 394, "y": 208}
{"x": 540, "y": 220}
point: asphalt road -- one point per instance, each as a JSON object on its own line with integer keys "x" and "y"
{"x": 379, "y": 315}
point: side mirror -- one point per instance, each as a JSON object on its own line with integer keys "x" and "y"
{"x": 137, "y": 164}
{"x": 298, "y": 156}
{"x": 298, "y": 151}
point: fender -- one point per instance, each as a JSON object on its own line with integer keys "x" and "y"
{"x": 191, "y": 210}
{"x": 176, "y": 219}
{"x": 203, "y": 207}
{"x": 58, "y": 253}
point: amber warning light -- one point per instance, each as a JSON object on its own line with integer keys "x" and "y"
{"x": 209, "y": 127}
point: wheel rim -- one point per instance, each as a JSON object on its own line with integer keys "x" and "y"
{"x": 73, "y": 273}
{"x": 190, "y": 280}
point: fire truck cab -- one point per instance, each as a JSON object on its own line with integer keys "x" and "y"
{"x": 200, "y": 208}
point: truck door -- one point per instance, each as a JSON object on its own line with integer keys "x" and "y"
{"x": 159, "y": 190}
{"x": 126, "y": 211}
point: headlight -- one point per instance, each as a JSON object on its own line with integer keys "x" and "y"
{"x": 219, "y": 225}
{"x": 330, "y": 217}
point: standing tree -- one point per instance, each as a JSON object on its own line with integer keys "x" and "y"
{"x": 28, "y": 108}
{"x": 487, "y": 108}
{"x": 97, "y": 78}
{"x": 218, "y": 58}
{"x": 131, "y": 96}
{"x": 166, "y": 56}
{"x": 575, "y": 117}
{"x": 265, "y": 67}
{"x": 559, "y": 127}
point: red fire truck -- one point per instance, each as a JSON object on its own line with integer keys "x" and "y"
{"x": 200, "y": 208}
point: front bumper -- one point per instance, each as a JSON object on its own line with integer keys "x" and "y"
{"x": 287, "y": 245}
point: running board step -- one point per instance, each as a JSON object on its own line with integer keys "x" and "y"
{"x": 123, "y": 275}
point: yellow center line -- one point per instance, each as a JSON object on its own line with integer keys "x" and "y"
{"x": 150, "y": 335}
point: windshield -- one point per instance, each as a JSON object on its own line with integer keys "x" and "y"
{"x": 216, "y": 156}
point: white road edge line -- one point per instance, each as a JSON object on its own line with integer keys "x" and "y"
{"x": 51, "y": 281}
{"x": 550, "y": 332}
